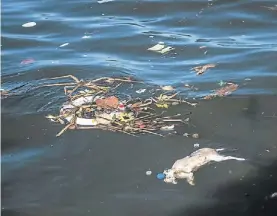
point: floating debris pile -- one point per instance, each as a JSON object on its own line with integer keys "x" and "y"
{"x": 95, "y": 104}
{"x": 100, "y": 104}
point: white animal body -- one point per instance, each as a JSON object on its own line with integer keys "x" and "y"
{"x": 185, "y": 167}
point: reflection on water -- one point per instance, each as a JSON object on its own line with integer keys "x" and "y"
{"x": 20, "y": 156}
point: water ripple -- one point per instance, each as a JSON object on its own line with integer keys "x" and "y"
{"x": 238, "y": 36}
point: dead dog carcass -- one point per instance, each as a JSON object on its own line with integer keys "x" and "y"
{"x": 185, "y": 167}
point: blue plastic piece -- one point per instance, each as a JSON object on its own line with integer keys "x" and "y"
{"x": 160, "y": 176}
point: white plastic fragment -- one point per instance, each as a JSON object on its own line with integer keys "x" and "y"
{"x": 148, "y": 172}
{"x": 50, "y": 116}
{"x": 83, "y": 121}
{"x": 157, "y": 47}
{"x": 86, "y": 36}
{"x": 63, "y": 45}
{"x": 160, "y": 48}
{"x": 79, "y": 102}
{"x": 29, "y": 24}
{"x": 140, "y": 91}
{"x": 167, "y": 128}
{"x": 195, "y": 135}
{"x": 196, "y": 145}
{"x": 167, "y": 88}
{"x": 186, "y": 134}
{"x": 83, "y": 100}
{"x": 104, "y": 1}
{"x": 103, "y": 119}
{"x": 273, "y": 195}
{"x": 166, "y": 50}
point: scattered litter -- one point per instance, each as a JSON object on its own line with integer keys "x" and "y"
{"x": 195, "y": 135}
{"x": 104, "y": 1}
{"x": 95, "y": 104}
{"x": 196, "y": 145}
{"x": 167, "y": 88}
{"x": 224, "y": 91}
{"x": 202, "y": 47}
{"x": 160, "y": 48}
{"x": 184, "y": 168}
{"x": 160, "y": 176}
{"x": 186, "y": 134}
{"x": 201, "y": 69}
{"x": 27, "y": 61}
{"x": 247, "y": 79}
{"x": 167, "y": 128}
{"x": 29, "y": 24}
{"x": 140, "y": 91}
{"x": 148, "y": 173}
{"x": 63, "y": 45}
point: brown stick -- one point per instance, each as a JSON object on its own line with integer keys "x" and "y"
{"x": 65, "y": 76}
{"x": 192, "y": 104}
{"x": 57, "y": 84}
{"x": 64, "y": 129}
{"x": 147, "y": 131}
{"x": 75, "y": 88}
{"x": 115, "y": 79}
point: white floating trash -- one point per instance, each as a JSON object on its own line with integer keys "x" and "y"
{"x": 65, "y": 44}
{"x": 148, "y": 172}
{"x": 29, "y": 24}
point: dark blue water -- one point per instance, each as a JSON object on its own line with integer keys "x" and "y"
{"x": 101, "y": 173}
{"x": 239, "y": 36}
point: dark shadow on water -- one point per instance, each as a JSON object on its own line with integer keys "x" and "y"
{"x": 103, "y": 173}
{"x": 250, "y": 196}
{"x": 12, "y": 213}
{"x": 253, "y": 107}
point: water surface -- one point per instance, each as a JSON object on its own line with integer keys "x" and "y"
{"x": 103, "y": 173}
